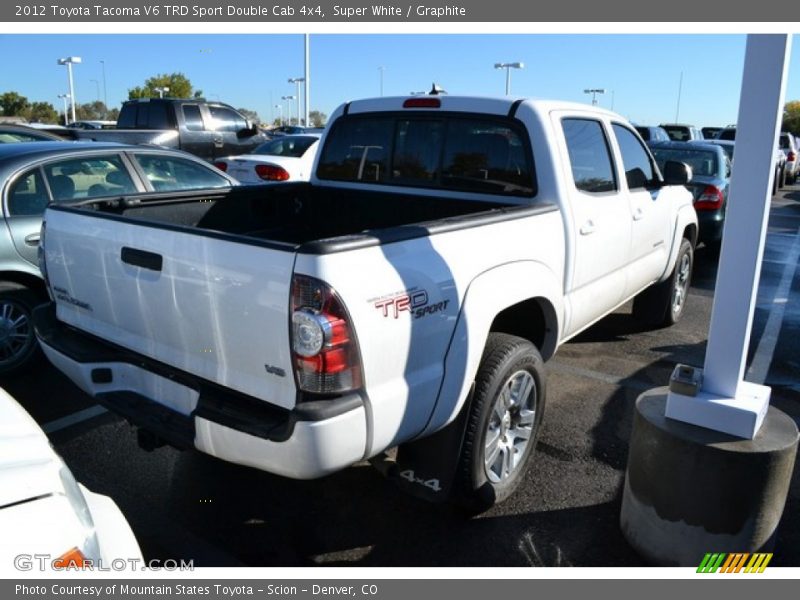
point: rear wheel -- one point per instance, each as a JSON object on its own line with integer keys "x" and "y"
{"x": 504, "y": 419}
{"x": 17, "y": 339}
{"x": 662, "y": 304}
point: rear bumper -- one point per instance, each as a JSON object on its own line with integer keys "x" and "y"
{"x": 710, "y": 225}
{"x": 314, "y": 439}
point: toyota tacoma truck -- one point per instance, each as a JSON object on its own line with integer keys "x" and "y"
{"x": 405, "y": 298}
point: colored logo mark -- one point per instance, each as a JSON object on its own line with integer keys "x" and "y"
{"x": 735, "y": 562}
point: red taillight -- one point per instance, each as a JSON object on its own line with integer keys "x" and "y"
{"x": 324, "y": 349}
{"x": 791, "y": 156}
{"x": 272, "y": 173}
{"x": 710, "y": 199}
{"x": 222, "y": 166}
{"x": 422, "y": 103}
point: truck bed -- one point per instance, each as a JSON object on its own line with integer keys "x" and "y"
{"x": 296, "y": 214}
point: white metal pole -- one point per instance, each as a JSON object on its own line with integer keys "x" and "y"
{"x": 307, "y": 82}
{"x": 71, "y": 90}
{"x": 508, "y": 80}
{"x": 727, "y": 402}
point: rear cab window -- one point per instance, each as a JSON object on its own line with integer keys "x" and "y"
{"x": 443, "y": 150}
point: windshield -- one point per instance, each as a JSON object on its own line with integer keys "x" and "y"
{"x": 702, "y": 162}
{"x": 294, "y": 146}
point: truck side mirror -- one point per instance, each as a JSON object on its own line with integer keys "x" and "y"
{"x": 676, "y": 173}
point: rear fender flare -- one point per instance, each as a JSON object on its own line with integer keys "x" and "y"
{"x": 487, "y": 295}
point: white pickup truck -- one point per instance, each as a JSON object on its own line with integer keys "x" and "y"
{"x": 406, "y": 297}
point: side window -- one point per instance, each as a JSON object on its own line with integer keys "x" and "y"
{"x": 27, "y": 196}
{"x": 127, "y": 116}
{"x": 226, "y": 119}
{"x": 169, "y": 173}
{"x": 88, "y": 177}
{"x": 589, "y": 156}
{"x": 193, "y": 118}
{"x": 636, "y": 161}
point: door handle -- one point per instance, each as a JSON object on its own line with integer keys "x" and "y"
{"x": 141, "y": 258}
{"x": 587, "y": 228}
{"x": 638, "y": 214}
{"x": 33, "y": 239}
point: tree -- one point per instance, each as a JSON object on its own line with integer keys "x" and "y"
{"x": 13, "y": 104}
{"x": 42, "y": 112}
{"x": 178, "y": 84}
{"x": 317, "y": 118}
{"x": 91, "y": 111}
{"x": 791, "y": 117}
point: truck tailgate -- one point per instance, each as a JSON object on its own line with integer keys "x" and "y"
{"x": 214, "y": 308}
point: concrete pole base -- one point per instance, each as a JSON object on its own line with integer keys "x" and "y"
{"x": 690, "y": 490}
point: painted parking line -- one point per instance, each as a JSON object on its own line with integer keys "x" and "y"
{"x": 74, "y": 419}
{"x": 765, "y": 350}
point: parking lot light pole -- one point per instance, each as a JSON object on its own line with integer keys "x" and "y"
{"x": 105, "y": 91}
{"x": 594, "y": 92}
{"x": 307, "y": 80}
{"x": 69, "y": 61}
{"x": 161, "y": 90}
{"x": 65, "y": 97}
{"x": 508, "y": 67}
{"x": 289, "y": 107}
{"x": 97, "y": 86}
{"x": 298, "y": 81}
{"x": 381, "y": 69}
{"x": 280, "y": 114}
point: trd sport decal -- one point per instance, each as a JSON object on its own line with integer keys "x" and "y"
{"x": 413, "y": 301}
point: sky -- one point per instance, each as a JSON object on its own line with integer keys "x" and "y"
{"x": 642, "y": 74}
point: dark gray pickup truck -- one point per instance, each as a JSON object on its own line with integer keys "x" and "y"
{"x": 206, "y": 129}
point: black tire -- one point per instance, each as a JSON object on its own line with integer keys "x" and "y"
{"x": 663, "y": 304}
{"x": 510, "y": 365}
{"x": 17, "y": 340}
{"x": 775, "y": 183}
{"x": 784, "y": 178}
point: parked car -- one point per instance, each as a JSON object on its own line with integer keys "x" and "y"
{"x": 206, "y": 129}
{"x": 711, "y": 173}
{"x": 286, "y": 158}
{"x": 727, "y": 133}
{"x": 44, "y": 511}
{"x": 652, "y": 133}
{"x": 682, "y": 133}
{"x": 294, "y": 130}
{"x": 709, "y": 133}
{"x": 406, "y": 296}
{"x": 95, "y": 124}
{"x": 788, "y": 144}
{"x": 779, "y": 179}
{"x": 32, "y": 175}
{"x": 11, "y": 134}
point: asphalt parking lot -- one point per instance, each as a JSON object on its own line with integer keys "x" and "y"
{"x": 187, "y": 505}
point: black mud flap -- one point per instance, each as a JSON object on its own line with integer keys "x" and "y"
{"x": 426, "y": 468}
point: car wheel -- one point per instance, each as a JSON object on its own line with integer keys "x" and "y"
{"x": 504, "y": 418}
{"x": 663, "y": 304}
{"x": 17, "y": 339}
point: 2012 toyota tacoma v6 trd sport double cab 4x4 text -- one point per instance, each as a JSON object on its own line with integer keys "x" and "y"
{"x": 406, "y": 297}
